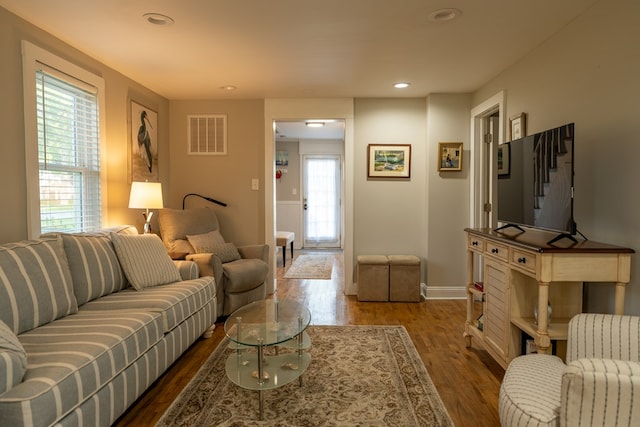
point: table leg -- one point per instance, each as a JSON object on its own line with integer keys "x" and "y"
{"x": 542, "y": 340}
{"x": 619, "y": 298}
{"x": 261, "y": 376}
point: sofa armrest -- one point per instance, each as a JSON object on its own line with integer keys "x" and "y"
{"x": 255, "y": 251}
{"x": 13, "y": 359}
{"x": 188, "y": 269}
{"x": 605, "y": 336}
{"x": 600, "y": 392}
{"x": 210, "y": 265}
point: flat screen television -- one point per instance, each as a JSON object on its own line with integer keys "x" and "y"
{"x": 535, "y": 182}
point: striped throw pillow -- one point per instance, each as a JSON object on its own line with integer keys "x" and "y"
{"x": 13, "y": 359}
{"x": 95, "y": 269}
{"x": 144, "y": 260}
{"x": 35, "y": 283}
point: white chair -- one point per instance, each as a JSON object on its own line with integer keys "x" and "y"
{"x": 599, "y": 385}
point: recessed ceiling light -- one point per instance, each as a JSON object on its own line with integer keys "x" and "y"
{"x": 314, "y": 124}
{"x": 401, "y": 85}
{"x": 158, "y": 19}
{"x": 228, "y": 88}
{"x": 442, "y": 15}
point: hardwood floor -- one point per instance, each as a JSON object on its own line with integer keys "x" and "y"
{"x": 467, "y": 379}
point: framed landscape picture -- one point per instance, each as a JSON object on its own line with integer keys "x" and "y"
{"x": 450, "y": 156}
{"x": 389, "y": 161}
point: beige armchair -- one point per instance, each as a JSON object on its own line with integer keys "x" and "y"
{"x": 599, "y": 385}
{"x": 240, "y": 273}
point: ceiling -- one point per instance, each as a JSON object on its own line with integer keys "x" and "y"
{"x": 302, "y": 48}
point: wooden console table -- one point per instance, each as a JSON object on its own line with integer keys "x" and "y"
{"x": 520, "y": 270}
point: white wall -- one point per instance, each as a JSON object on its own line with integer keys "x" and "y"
{"x": 589, "y": 74}
{"x": 390, "y": 214}
{"x": 447, "y": 196}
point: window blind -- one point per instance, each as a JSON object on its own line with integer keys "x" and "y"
{"x": 68, "y": 154}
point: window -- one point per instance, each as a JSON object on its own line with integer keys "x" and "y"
{"x": 63, "y": 135}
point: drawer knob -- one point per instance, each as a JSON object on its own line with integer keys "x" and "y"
{"x": 522, "y": 260}
{"x": 474, "y": 243}
{"x": 494, "y": 250}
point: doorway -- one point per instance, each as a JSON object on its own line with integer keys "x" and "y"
{"x": 309, "y": 182}
{"x": 487, "y": 131}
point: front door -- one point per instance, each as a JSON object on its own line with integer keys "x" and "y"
{"x": 321, "y": 201}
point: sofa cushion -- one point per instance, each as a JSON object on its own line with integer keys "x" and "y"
{"x": 72, "y": 358}
{"x": 95, "y": 269}
{"x": 204, "y": 243}
{"x": 144, "y": 260}
{"x": 35, "y": 283}
{"x": 13, "y": 359}
{"x": 244, "y": 274}
{"x": 175, "y": 301}
{"x": 176, "y": 224}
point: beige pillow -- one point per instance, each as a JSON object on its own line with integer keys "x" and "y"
{"x": 175, "y": 224}
{"x": 144, "y": 260}
{"x": 227, "y": 252}
{"x": 204, "y": 243}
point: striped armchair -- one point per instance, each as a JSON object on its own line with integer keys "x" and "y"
{"x": 599, "y": 385}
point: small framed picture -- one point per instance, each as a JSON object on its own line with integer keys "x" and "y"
{"x": 504, "y": 159}
{"x": 389, "y": 161}
{"x": 518, "y": 126}
{"x": 450, "y": 156}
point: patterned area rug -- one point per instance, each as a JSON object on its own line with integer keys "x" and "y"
{"x": 358, "y": 376}
{"x": 310, "y": 267}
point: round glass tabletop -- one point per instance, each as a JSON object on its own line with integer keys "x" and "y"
{"x": 267, "y": 322}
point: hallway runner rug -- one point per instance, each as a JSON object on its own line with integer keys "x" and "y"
{"x": 359, "y": 375}
{"x": 310, "y": 267}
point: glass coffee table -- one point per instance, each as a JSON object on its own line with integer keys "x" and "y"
{"x": 269, "y": 338}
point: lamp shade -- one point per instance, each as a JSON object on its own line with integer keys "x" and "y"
{"x": 145, "y": 195}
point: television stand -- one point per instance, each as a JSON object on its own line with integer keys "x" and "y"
{"x": 562, "y": 236}
{"x": 521, "y": 271}
{"x": 509, "y": 225}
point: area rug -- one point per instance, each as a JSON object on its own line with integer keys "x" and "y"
{"x": 310, "y": 267}
{"x": 358, "y": 376}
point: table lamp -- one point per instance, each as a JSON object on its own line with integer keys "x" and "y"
{"x": 146, "y": 195}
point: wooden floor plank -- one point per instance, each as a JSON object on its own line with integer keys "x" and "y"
{"x": 467, "y": 379}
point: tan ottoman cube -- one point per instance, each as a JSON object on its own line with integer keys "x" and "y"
{"x": 404, "y": 278}
{"x": 373, "y": 278}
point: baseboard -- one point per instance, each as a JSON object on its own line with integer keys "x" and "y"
{"x": 433, "y": 292}
{"x": 444, "y": 292}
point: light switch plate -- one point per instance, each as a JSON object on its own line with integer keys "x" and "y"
{"x": 255, "y": 184}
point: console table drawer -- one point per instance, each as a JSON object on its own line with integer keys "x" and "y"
{"x": 497, "y": 250}
{"x": 474, "y": 243}
{"x": 524, "y": 260}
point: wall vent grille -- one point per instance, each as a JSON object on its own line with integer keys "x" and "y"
{"x": 207, "y": 134}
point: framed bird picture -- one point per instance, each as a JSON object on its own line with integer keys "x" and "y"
{"x": 143, "y": 147}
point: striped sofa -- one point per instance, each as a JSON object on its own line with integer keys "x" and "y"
{"x": 599, "y": 386}
{"x": 89, "y": 321}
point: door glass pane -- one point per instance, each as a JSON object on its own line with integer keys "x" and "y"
{"x": 322, "y": 216}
